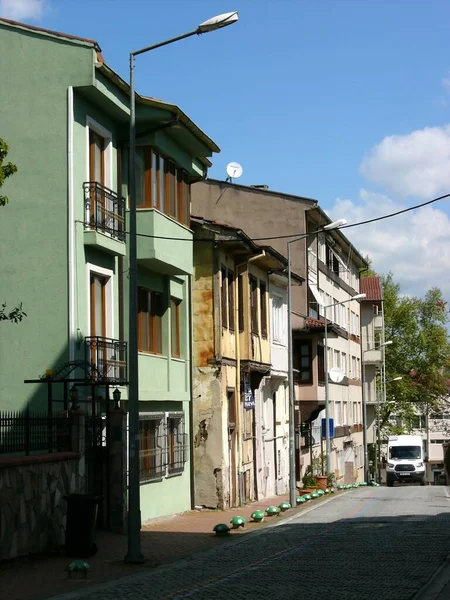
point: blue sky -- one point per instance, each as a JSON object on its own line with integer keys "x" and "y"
{"x": 345, "y": 101}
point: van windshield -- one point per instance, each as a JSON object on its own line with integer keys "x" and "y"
{"x": 405, "y": 452}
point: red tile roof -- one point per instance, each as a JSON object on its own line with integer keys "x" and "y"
{"x": 310, "y": 322}
{"x": 371, "y": 286}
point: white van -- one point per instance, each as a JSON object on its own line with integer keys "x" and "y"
{"x": 405, "y": 459}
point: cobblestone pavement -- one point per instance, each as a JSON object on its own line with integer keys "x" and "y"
{"x": 370, "y": 543}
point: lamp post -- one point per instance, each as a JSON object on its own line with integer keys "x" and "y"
{"x": 134, "y": 554}
{"x": 327, "y": 392}
{"x": 378, "y": 433}
{"x": 364, "y": 403}
{"x": 292, "y": 478}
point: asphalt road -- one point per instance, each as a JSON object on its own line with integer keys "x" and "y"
{"x": 370, "y": 543}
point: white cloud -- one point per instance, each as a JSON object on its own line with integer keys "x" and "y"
{"x": 20, "y": 10}
{"x": 415, "y": 246}
{"x": 416, "y": 164}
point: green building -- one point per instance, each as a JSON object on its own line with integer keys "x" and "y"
{"x": 63, "y": 242}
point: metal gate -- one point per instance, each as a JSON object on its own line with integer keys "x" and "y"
{"x": 97, "y": 461}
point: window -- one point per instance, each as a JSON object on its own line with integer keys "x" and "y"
{"x": 358, "y": 368}
{"x": 303, "y": 361}
{"x": 263, "y": 305}
{"x": 152, "y": 462}
{"x": 337, "y": 414}
{"x": 277, "y": 320}
{"x": 240, "y": 284}
{"x": 162, "y": 185}
{"x": 223, "y": 294}
{"x": 320, "y": 364}
{"x": 150, "y": 311}
{"x": 344, "y": 363}
{"x": 227, "y": 298}
{"x": 336, "y": 358}
{"x": 344, "y": 413}
{"x": 254, "y": 304}
{"x": 230, "y": 279}
{"x": 175, "y": 328}
{"x": 176, "y": 444}
{"x": 353, "y": 373}
{"x": 355, "y": 413}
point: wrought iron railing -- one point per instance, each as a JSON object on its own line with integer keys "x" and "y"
{"x": 108, "y": 359}
{"x": 104, "y": 210}
{"x": 26, "y": 432}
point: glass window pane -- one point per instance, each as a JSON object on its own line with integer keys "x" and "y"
{"x": 154, "y": 179}
{"x": 162, "y": 184}
{"x": 140, "y": 176}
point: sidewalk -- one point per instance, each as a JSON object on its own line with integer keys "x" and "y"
{"x": 163, "y": 541}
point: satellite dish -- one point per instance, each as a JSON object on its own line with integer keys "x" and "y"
{"x": 234, "y": 170}
{"x": 336, "y": 374}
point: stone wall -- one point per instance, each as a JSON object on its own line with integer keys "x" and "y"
{"x": 32, "y": 506}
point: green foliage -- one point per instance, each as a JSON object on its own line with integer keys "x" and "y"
{"x": 6, "y": 170}
{"x": 309, "y": 479}
{"x": 420, "y": 352}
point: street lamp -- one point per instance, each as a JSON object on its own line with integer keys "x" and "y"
{"x": 292, "y": 478}
{"x": 364, "y": 403}
{"x": 327, "y": 394}
{"x": 134, "y": 554}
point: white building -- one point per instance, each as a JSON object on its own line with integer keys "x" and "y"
{"x": 333, "y": 279}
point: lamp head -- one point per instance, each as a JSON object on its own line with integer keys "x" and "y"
{"x": 358, "y": 297}
{"x": 218, "y": 22}
{"x": 335, "y": 224}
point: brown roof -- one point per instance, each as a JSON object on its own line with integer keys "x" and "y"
{"x": 50, "y": 32}
{"x": 371, "y": 287}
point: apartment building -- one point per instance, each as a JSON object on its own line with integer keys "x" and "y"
{"x": 333, "y": 279}
{"x": 240, "y": 408}
{"x": 64, "y": 245}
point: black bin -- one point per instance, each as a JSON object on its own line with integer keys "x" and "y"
{"x": 80, "y": 526}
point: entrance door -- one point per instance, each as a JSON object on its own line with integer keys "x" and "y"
{"x": 270, "y": 471}
{"x": 96, "y": 175}
{"x": 349, "y": 464}
{"x": 232, "y": 476}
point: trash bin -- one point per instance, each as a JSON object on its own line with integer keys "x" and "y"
{"x": 80, "y": 525}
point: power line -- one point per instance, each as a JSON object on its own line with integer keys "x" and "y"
{"x": 282, "y": 237}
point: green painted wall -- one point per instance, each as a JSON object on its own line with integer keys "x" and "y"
{"x": 36, "y": 72}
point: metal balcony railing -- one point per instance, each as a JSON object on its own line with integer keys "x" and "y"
{"x": 104, "y": 210}
{"x": 108, "y": 359}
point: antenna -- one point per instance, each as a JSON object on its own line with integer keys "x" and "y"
{"x": 234, "y": 171}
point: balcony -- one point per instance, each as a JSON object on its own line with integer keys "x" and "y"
{"x": 104, "y": 219}
{"x": 165, "y": 245}
{"x": 108, "y": 359}
{"x": 378, "y": 321}
{"x": 372, "y": 357}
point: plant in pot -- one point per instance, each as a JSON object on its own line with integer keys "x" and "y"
{"x": 331, "y": 480}
{"x": 309, "y": 481}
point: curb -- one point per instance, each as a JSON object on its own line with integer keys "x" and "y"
{"x": 102, "y": 586}
{"x": 436, "y": 584}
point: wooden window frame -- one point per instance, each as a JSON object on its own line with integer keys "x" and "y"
{"x": 152, "y": 449}
{"x": 253, "y": 284}
{"x": 175, "y": 304}
{"x": 320, "y": 363}
{"x": 300, "y": 344}
{"x": 154, "y": 321}
{"x": 263, "y": 308}
{"x": 224, "y": 296}
{"x": 230, "y": 286}
{"x": 240, "y": 283}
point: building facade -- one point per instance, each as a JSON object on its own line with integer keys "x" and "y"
{"x": 65, "y": 245}
{"x": 239, "y": 408}
{"x": 333, "y": 279}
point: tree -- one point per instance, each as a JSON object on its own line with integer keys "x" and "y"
{"x": 420, "y": 352}
{"x": 6, "y": 170}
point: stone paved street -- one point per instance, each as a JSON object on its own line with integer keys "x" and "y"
{"x": 371, "y": 543}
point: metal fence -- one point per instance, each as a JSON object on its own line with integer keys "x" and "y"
{"x": 26, "y": 433}
{"x": 108, "y": 358}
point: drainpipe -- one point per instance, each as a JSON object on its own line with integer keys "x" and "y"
{"x": 191, "y": 387}
{"x": 238, "y": 377}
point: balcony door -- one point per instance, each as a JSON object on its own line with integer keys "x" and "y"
{"x": 98, "y": 303}
{"x": 96, "y": 176}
